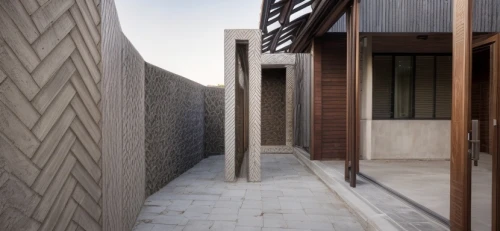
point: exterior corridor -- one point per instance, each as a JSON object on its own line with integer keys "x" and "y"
{"x": 289, "y": 197}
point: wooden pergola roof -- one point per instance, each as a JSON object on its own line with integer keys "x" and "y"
{"x": 290, "y": 25}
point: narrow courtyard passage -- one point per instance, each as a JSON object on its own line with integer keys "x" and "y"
{"x": 289, "y": 198}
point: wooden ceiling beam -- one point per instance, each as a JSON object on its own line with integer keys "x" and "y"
{"x": 285, "y": 12}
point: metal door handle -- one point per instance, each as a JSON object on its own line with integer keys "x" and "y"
{"x": 475, "y": 142}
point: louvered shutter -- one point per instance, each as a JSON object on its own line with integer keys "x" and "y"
{"x": 424, "y": 87}
{"x": 382, "y": 87}
{"x": 443, "y": 86}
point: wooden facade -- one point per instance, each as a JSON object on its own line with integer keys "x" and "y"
{"x": 329, "y": 108}
{"x": 329, "y": 88}
{"x": 335, "y": 106}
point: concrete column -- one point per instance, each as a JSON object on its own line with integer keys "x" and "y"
{"x": 366, "y": 98}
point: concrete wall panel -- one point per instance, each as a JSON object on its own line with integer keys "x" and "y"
{"x": 406, "y": 16}
{"x": 410, "y": 139}
{"x": 122, "y": 125}
{"x": 175, "y": 124}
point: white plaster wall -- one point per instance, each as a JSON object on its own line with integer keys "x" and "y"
{"x": 410, "y": 139}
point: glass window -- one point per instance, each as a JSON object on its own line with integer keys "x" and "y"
{"x": 403, "y": 87}
{"x": 412, "y": 86}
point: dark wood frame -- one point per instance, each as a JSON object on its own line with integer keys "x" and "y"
{"x": 353, "y": 94}
{"x": 460, "y": 164}
{"x": 493, "y": 41}
{"x": 316, "y": 98}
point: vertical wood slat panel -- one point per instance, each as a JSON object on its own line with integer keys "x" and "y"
{"x": 420, "y": 16}
{"x": 333, "y": 97}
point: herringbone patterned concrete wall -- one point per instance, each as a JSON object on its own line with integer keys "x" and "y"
{"x": 50, "y": 134}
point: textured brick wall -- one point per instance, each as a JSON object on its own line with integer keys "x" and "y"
{"x": 174, "y": 126}
{"x": 274, "y": 106}
{"x": 214, "y": 120}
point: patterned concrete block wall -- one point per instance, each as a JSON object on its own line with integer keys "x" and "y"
{"x": 274, "y": 106}
{"x": 174, "y": 126}
{"x": 214, "y": 120}
{"x": 50, "y": 135}
{"x": 123, "y": 132}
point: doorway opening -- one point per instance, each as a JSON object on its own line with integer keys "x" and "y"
{"x": 481, "y": 106}
{"x": 425, "y": 183}
{"x": 241, "y": 109}
{"x": 273, "y": 107}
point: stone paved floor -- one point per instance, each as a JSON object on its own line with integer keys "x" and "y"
{"x": 289, "y": 198}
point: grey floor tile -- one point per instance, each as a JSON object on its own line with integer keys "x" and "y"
{"x": 290, "y": 198}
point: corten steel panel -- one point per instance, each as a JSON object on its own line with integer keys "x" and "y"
{"x": 253, "y": 37}
{"x": 175, "y": 125}
{"x": 122, "y": 125}
{"x": 286, "y": 61}
{"x": 420, "y": 16}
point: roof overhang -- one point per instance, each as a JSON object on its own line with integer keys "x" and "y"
{"x": 290, "y": 25}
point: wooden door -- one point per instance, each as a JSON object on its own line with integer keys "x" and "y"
{"x": 493, "y": 43}
{"x": 460, "y": 162}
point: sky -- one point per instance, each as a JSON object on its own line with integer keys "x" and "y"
{"x": 186, "y": 37}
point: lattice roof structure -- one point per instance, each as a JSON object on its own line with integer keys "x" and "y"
{"x": 289, "y": 25}
{"x": 280, "y": 22}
